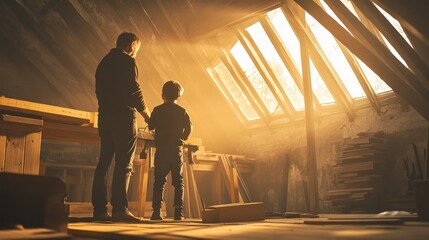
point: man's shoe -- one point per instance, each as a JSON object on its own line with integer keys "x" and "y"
{"x": 156, "y": 215}
{"x": 125, "y": 216}
{"x": 101, "y": 216}
{"x": 178, "y": 214}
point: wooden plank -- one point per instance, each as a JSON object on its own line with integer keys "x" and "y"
{"x": 21, "y": 120}
{"x": 397, "y": 83}
{"x": 68, "y": 132}
{"x": 233, "y": 185}
{"x": 48, "y": 112}
{"x": 3, "y": 137}
{"x": 15, "y": 152}
{"x": 33, "y": 143}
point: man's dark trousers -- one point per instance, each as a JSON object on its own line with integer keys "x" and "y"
{"x": 118, "y": 139}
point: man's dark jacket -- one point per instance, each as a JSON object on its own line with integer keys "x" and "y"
{"x": 116, "y": 86}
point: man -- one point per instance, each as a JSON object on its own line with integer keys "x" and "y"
{"x": 119, "y": 96}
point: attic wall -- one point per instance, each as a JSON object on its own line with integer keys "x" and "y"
{"x": 401, "y": 125}
{"x": 50, "y": 50}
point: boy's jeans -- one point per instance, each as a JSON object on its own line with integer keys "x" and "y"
{"x": 168, "y": 159}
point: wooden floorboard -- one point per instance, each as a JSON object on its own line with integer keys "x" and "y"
{"x": 366, "y": 227}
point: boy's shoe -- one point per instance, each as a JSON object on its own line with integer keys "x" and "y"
{"x": 156, "y": 215}
{"x": 101, "y": 216}
{"x": 125, "y": 216}
{"x": 178, "y": 214}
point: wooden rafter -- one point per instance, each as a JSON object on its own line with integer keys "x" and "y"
{"x": 413, "y": 60}
{"x": 380, "y": 67}
{"x": 380, "y": 50}
{"x": 410, "y": 14}
{"x": 324, "y": 67}
{"x": 266, "y": 72}
{"x": 232, "y": 68}
{"x": 421, "y": 49}
{"x": 286, "y": 58}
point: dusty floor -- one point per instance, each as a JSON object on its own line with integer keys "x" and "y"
{"x": 325, "y": 227}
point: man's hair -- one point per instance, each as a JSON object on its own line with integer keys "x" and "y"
{"x": 125, "y": 39}
{"x": 172, "y": 90}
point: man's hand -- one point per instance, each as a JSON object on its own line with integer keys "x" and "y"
{"x": 145, "y": 114}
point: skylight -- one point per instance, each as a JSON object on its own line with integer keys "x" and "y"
{"x": 273, "y": 34}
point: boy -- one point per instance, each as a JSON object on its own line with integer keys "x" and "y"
{"x": 172, "y": 127}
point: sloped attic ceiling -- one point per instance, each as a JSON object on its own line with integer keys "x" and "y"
{"x": 50, "y": 49}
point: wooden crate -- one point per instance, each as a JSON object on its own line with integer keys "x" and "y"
{"x": 20, "y": 141}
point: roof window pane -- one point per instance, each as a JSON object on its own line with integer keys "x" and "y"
{"x": 319, "y": 87}
{"x": 254, "y": 76}
{"x": 261, "y": 39}
{"x": 286, "y": 34}
{"x": 377, "y": 84}
{"x": 222, "y": 77}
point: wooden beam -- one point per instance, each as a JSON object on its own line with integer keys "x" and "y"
{"x": 266, "y": 72}
{"x": 397, "y": 83}
{"x": 380, "y": 50}
{"x": 321, "y": 62}
{"x": 413, "y": 60}
{"x": 309, "y": 123}
{"x": 411, "y": 14}
{"x": 286, "y": 57}
{"x": 421, "y": 48}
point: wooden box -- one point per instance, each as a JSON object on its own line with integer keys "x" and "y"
{"x": 234, "y": 212}
{"x": 20, "y": 141}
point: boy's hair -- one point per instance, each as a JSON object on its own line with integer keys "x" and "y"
{"x": 172, "y": 90}
{"x": 125, "y": 39}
